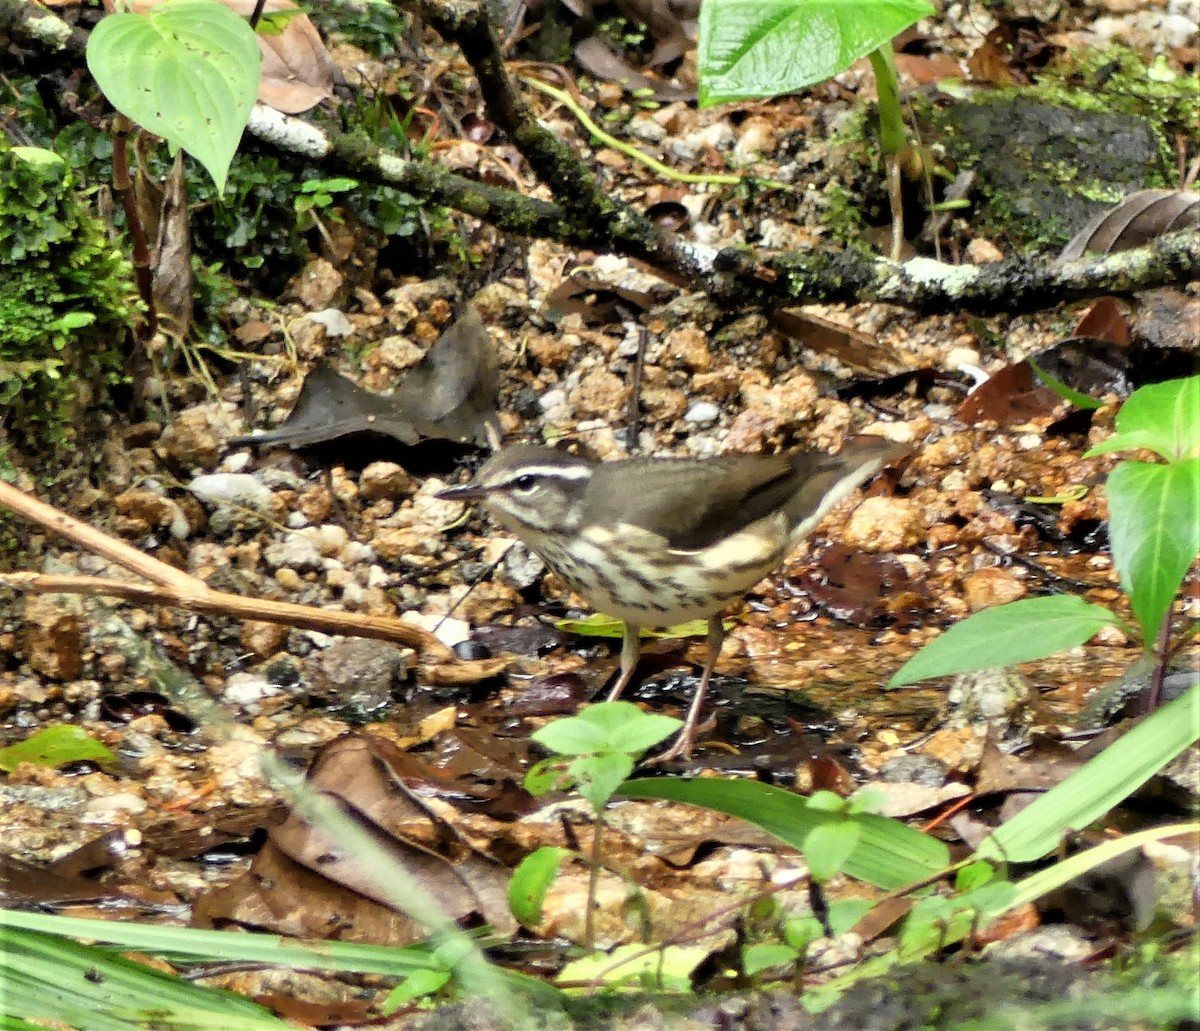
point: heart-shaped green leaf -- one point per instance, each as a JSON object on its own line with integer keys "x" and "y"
{"x": 761, "y": 48}
{"x": 1154, "y": 530}
{"x": 187, "y": 70}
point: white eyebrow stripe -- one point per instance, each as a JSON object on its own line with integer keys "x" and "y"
{"x": 561, "y": 472}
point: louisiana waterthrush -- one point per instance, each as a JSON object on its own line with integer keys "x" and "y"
{"x": 659, "y": 541}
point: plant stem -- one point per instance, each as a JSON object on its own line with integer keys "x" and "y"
{"x": 1158, "y": 674}
{"x": 589, "y": 921}
{"x": 892, "y": 136}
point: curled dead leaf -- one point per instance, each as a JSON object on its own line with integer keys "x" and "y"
{"x": 296, "y": 72}
{"x": 1139, "y": 218}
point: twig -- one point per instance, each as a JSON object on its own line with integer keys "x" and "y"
{"x": 635, "y": 392}
{"x": 585, "y": 216}
{"x": 174, "y": 587}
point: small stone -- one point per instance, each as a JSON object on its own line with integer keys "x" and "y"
{"x": 148, "y": 509}
{"x": 556, "y": 398}
{"x": 397, "y": 353}
{"x": 111, "y": 805}
{"x": 551, "y": 350}
{"x": 757, "y": 138}
{"x": 331, "y": 538}
{"x": 385, "y": 480}
{"x": 521, "y": 567}
{"x": 688, "y": 347}
{"x": 1111, "y": 636}
{"x": 600, "y": 393}
{"x": 702, "y": 412}
{"x": 315, "y": 504}
{"x": 991, "y": 586}
{"x": 717, "y": 136}
{"x": 993, "y": 697}
{"x": 319, "y": 285}
{"x": 288, "y": 579}
{"x": 334, "y": 320}
{"x": 238, "y": 462}
{"x": 447, "y": 630}
{"x": 884, "y": 524}
{"x": 195, "y": 436}
{"x": 646, "y": 129}
{"x": 360, "y": 673}
{"x": 261, "y": 638}
{"x": 914, "y": 769}
{"x": 723, "y": 384}
{"x": 239, "y": 489}
{"x": 983, "y": 252}
{"x": 53, "y": 638}
{"x": 393, "y": 546}
{"x": 248, "y": 689}
{"x": 664, "y": 403}
{"x": 299, "y": 551}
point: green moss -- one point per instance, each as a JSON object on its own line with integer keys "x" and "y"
{"x": 1096, "y": 126}
{"x": 67, "y": 296}
{"x": 1117, "y": 80}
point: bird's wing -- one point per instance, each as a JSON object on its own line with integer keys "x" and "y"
{"x": 694, "y": 504}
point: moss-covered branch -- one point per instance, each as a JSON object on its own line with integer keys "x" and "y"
{"x": 585, "y": 215}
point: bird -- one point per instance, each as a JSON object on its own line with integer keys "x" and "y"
{"x": 655, "y": 542}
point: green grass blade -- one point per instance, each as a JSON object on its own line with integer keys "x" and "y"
{"x": 888, "y": 853}
{"x": 1099, "y": 785}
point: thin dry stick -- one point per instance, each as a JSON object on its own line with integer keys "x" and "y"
{"x": 174, "y": 587}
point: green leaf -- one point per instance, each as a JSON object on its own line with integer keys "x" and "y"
{"x": 888, "y": 853}
{"x": 757, "y": 958}
{"x": 596, "y": 777}
{"x": 845, "y": 913}
{"x": 187, "y": 71}
{"x": 224, "y": 947}
{"x": 546, "y": 775}
{"x": 668, "y": 968}
{"x": 337, "y": 184}
{"x": 1162, "y": 417}
{"x": 761, "y": 48}
{"x": 55, "y": 746}
{"x": 976, "y": 875}
{"x": 606, "y": 727}
{"x": 1079, "y": 400}
{"x": 1066, "y": 870}
{"x": 1018, "y": 632}
{"x": 417, "y": 985}
{"x": 39, "y": 156}
{"x": 571, "y": 736}
{"x": 530, "y": 881}
{"x": 600, "y": 625}
{"x": 1100, "y": 784}
{"x": 1154, "y": 531}
{"x": 47, "y": 978}
{"x": 828, "y": 846}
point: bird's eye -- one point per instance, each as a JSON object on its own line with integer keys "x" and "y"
{"x": 525, "y": 483}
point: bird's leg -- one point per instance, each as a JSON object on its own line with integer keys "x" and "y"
{"x": 682, "y": 748}
{"x": 631, "y": 648}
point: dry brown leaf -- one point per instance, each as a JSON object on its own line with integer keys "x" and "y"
{"x": 1139, "y": 218}
{"x": 297, "y": 72}
{"x": 171, "y": 261}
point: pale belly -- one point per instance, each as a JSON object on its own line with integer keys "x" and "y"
{"x": 651, "y": 589}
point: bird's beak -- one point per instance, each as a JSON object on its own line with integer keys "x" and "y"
{"x": 467, "y": 492}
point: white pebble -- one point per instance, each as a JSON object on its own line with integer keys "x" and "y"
{"x": 240, "y": 489}
{"x": 702, "y": 411}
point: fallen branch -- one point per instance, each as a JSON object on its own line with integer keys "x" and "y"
{"x": 171, "y": 586}
{"x": 587, "y": 215}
